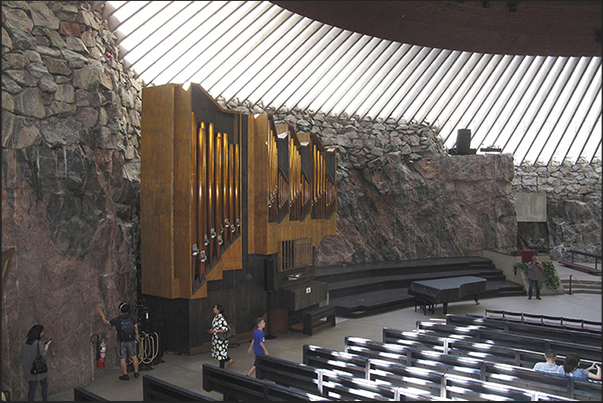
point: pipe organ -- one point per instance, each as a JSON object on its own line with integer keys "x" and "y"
{"x": 224, "y": 192}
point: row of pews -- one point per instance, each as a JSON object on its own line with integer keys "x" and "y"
{"x": 459, "y": 358}
{"x": 463, "y": 358}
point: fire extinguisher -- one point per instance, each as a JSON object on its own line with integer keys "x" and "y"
{"x": 103, "y": 350}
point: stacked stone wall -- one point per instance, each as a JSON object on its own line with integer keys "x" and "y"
{"x": 70, "y": 186}
{"x": 573, "y": 193}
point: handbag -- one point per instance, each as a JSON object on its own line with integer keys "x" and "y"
{"x": 39, "y": 364}
{"x": 228, "y": 334}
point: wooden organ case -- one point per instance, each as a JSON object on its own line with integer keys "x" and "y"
{"x": 232, "y": 207}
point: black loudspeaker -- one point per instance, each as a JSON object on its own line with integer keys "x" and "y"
{"x": 463, "y": 141}
{"x": 269, "y": 274}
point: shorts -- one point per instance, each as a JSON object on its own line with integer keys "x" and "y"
{"x": 125, "y": 349}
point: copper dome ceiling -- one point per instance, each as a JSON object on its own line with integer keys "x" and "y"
{"x": 544, "y": 28}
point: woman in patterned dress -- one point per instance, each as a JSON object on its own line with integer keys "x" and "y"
{"x": 219, "y": 348}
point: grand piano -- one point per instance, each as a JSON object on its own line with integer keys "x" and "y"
{"x": 444, "y": 290}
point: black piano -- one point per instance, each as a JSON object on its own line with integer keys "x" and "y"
{"x": 445, "y": 290}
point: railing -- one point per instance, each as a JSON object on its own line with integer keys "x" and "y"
{"x": 542, "y": 319}
{"x": 577, "y": 252}
{"x": 571, "y": 280}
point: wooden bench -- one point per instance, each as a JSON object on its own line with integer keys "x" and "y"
{"x": 465, "y": 348}
{"x": 544, "y": 320}
{"x": 330, "y": 383}
{"x": 566, "y": 335}
{"x": 438, "y": 377}
{"x": 470, "y": 368}
{"x": 531, "y": 343}
{"x": 317, "y": 319}
{"x": 235, "y": 386}
{"x": 82, "y": 395}
{"x": 288, "y": 373}
{"x": 446, "y": 386}
{"x": 155, "y": 389}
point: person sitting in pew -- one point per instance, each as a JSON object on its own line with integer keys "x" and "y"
{"x": 549, "y": 367}
{"x": 570, "y": 368}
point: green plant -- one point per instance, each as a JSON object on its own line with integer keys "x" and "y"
{"x": 550, "y": 278}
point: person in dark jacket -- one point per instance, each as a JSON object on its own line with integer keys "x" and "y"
{"x": 126, "y": 346}
{"x": 535, "y": 270}
{"x": 29, "y": 351}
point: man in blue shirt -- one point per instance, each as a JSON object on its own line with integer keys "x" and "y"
{"x": 549, "y": 367}
{"x": 257, "y": 343}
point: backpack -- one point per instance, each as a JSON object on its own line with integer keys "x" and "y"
{"x": 128, "y": 333}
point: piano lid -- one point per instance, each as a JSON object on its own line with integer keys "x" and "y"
{"x": 448, "y": 289}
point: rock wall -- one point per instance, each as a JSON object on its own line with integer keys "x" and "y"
{"x": 573, "y": 193}
{"x": 70, "y": 186}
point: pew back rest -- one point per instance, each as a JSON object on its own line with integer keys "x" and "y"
{"x": 551, "y": 333}
{"x": 546, "y": 383}
{"x": 236, "y": 386}
{"x": 155, "y": 389}
{"x": 82, "y": 395}
{"x": 466, "y": 348}
{"x": 531, "y": 343}
{"x": 288, "y": 373}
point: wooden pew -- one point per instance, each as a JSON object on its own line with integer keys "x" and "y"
{"x": 155, "y": 389}
{"x": 476, "y": 369}
{"x": 236, "y": 386}
{"x": 491, "y": 352}
{"x": 312, "y": 319}
{"x": 435, "y": 378}
{"x": 82, "y": 395}
{"x": 330, "y": 384}
{"x": 288, "y": 373}
{"x": 566, "y": 335}
{"x": 446, "y": 386}
{"x": 543, "y": 320}
{"x": 539, "y": 343}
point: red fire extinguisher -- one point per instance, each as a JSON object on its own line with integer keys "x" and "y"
{"x": 103, "y": 350}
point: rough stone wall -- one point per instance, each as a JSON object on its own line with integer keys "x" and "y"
{"x": 70, "y": 186}
{"x": 573, "y": 193}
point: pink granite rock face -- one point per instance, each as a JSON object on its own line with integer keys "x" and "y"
{"x": 435, "y": 207}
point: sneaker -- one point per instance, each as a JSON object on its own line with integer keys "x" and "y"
{"x": 538, "y": 298}
{"x": 124, "y": 377}
{"x": 136, "y": 374}
{"x": 529, "y": 297}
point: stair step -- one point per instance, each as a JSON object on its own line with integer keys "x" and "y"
{"x": 368, "y": 289}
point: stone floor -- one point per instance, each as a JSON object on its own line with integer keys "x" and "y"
{"x": 185, "y": 370}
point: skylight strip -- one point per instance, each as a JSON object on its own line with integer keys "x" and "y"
{"x": 328, "y": 72}
{"x": 562, "y": 108}
{"x": 263, "y": 50}
{"x": 554, "y": 91}
{"x": 468, "y": 96}
{"x": 437, "y": 86}
{"x": 174, "y": 59}
{"x": 212, "y": 53}
{"x": 370, "y": 73}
